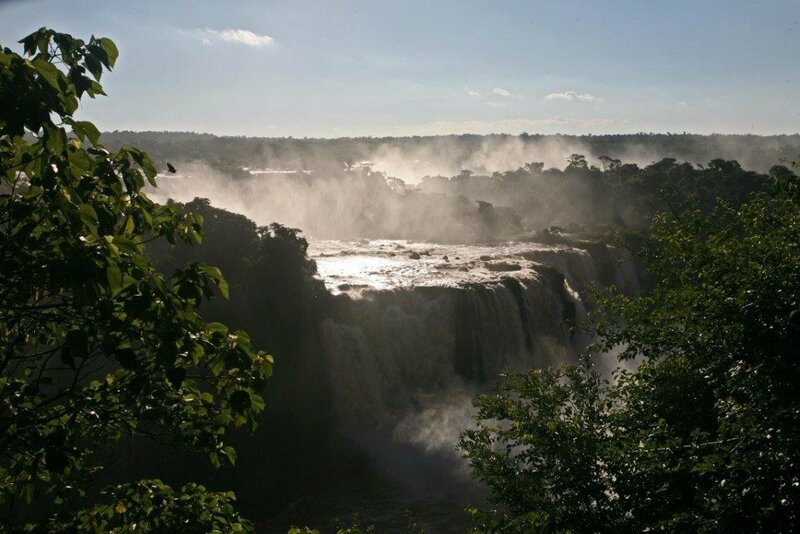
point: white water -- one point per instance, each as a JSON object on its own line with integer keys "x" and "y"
{"x": 354, "y": 266}
{"x": 419, "y": 329}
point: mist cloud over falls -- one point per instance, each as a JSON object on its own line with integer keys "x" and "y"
{"x": 412, "y": 158}
{"x": 343, "y": 204}
{"x": 415, "y": 188}
{"x": 448, "y": 156}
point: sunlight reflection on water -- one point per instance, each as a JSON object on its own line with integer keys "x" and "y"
{"x": 355, "y": 266}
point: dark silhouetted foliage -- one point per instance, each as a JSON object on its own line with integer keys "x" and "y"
{"x": 95, "y": 343}
{"x": 704, "y": 436}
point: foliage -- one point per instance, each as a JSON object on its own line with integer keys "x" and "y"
{"x": 349, "y": 530}
{"x": 152, "y": 506}
{"x": 705, "y": 434}
{"x": 95, "y": 343}
{"x": 577, "y": 161}
{"x": 619, "y": 198}
{"x": 354, "y": 526}
{"x": 555, "y": 410}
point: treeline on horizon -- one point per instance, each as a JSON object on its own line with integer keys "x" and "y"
{"x": 754, "y": 152}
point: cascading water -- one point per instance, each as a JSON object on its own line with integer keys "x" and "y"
{"x": 419, "y": 329}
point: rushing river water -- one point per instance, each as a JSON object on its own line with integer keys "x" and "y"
{"x": 355, "y": 266}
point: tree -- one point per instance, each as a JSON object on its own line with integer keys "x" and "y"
{"x": 577, "y": 161}
{"x": 705, "y": 434}
{"x": 724, "y": 166}
{"x": 609, "y": 164}
{"x": 535, "y": 446}
{"x": 534, "y": 167}
{"x": 95, "y": 343}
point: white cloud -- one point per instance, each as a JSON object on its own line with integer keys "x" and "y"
{"x": 493, "y": 98}
{"x": 238, "y": 36}
{"x": 572, "y": 96}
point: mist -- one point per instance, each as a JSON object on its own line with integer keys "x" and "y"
{"x": 447, "y": 156}
{"x": 450, "y": 189}
{"x": 346, "y": 203}
{"x": 416, "y": 187}
{"x": 412, "y": 158}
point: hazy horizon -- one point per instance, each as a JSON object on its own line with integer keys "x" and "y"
{"x": 488, "y": 134}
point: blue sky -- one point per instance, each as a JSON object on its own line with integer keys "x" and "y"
{"x": 405, "y": 67}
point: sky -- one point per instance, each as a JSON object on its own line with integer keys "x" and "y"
{"x": 411, "y": 67}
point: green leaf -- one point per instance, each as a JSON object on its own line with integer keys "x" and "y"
{"x": 147, "y": 165}
{"x": 110, "y": 49}
{"x": 114, "y": 278}
{"x": 94, "y": 66}
{"x": 166, "y": 353}
{"x": 126, "y": 244}
{"x": 216, "y": 274}
{"x": 29, "y": 44}
{"x": 49, "y": 72}
{"x": 217, "y": 327}
{"x": 130, "y": 226}
{"x": 88, "y": 217}
{"x": 55, "y": 139}
{"x": 86, "y": 129}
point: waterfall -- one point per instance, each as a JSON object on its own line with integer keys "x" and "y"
{"x": 404, "y": 363}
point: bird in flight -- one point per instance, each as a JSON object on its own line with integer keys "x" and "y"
{"x": 171, "y": 168}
